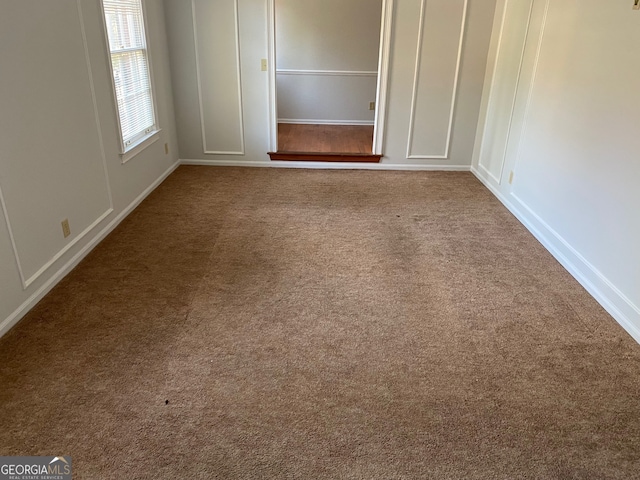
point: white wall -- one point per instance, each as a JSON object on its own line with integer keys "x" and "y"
{"x": 327, "y": 59}
{"x": 431, "y": 118}
{"x": 565, "y": 124}
{"x": 328, "y": 34}
{"x": 326, "y": 98}
{"x": 59, "y": 145}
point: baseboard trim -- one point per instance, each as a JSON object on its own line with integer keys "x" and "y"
{"x": 599, "y": 287}
{"x": 307, "y": 121}
{"x": 31, "y": 302}
{"x": 327, "y": 165}
{"x": 324, "y": 73}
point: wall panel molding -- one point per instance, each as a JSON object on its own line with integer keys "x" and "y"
{"x": 272, "y": 80}
{"x": 22, "y": 310}
{"x": 12, "y": 238}
{"x": 525, "y": 116}
{"x": 496, "y": 107}
{"x": 27, "y": 281}
{"x": 618, "y": 304}
{"x": 338, "y": 73}
{"x": 611, "y": 298}
{"x": 417, "y": 83}
{"x": 103, "y": 156}
{"x": 207, "y": 148}
{"x": 382, "y": 91}
{"x": 310, "y": 121}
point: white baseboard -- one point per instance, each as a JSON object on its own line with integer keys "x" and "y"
{"x": 327, "y": 165}
{"x": 23, "y": 309}
{"x": 330, "y": 73}
{"x": 307, "y": 121}
{"x": 602, "y": 289}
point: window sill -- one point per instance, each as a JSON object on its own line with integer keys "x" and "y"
{"x": 139, "y": 146}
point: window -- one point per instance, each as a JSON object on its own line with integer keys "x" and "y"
{"x": 124, "y": 24}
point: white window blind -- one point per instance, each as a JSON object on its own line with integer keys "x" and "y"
{"x": 130, "y": 65}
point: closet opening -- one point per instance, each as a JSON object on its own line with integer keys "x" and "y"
{"x": 328, "y": 87}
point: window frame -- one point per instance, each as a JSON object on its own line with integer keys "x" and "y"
{"x": 127, "y": 152}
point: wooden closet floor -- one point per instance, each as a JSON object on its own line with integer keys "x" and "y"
{"x": 325, "y": 138}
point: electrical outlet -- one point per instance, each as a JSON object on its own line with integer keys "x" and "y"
{"x": 372, "y": 105}
{"x": 263, "y": 64}
{"x": 66, "y": 230}
{"x": 166, "y": 149}
{"x": 511, "y": 177}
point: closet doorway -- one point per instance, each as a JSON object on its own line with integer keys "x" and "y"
{"x": 328, "y": 87}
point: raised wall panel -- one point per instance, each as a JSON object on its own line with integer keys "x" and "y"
{"x": 216, "y": 35}
{"x": 504, "y": 84}
{"x": 51, "y": 145}
{"x": 441, "y": 31}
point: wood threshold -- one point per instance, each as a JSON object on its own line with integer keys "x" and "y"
{"x": 325, "y": 157}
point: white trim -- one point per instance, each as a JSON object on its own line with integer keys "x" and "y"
{"x": 28, "y": 304}
{"x": 94, "y": 99}
{"x": 198, "y": 79}
{"x": 107, "y": 50}
{"x": 602, "y": 289}
{"x": 485, "y": 113}
{"x": 153, "y": 136}
{"x": 199, "y": 82}
{"x": 615, "y": 302}
{"x": 123, "y": 149}
{"x": 383, "y": 76}
{"x": 141, "y": 145}
{"x": 307, "y": 121}
{"x": 517, "y": 86}
{"x": 488, "y": 174}
{"x": 416, "y": 76}
{"x": 327, "y": 73}
{"x": 325, "y": 165}
{"x": 493, "y": 56}
{"x": 534, "y": 74}
{"x": 382, "y": 73}
{"x": 488, "y": 94}
{"x": 66, "y": 248}
{"x": 152, "y": 81}
{"x": 416, "y": 80}
{"x": 26, "y": 282}
{"x": 87, "y": 230}
{"x": 273, "y": 85}
{"x": 14, "y": 246}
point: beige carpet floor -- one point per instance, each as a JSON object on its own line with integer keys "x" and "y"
{"x": 268, "y": 323}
